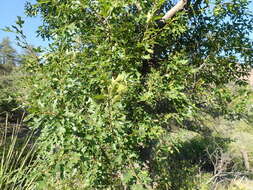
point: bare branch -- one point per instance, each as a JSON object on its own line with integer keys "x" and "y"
{"x": 245, "y": 160}
{"x": 179, "y": 6}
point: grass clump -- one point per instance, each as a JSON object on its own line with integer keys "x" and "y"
{"x": 17, "y": 153}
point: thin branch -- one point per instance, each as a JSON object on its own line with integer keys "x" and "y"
{"x": 245, "y": 160}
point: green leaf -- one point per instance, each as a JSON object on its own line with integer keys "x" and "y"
{"x": 146, "y": 56}
{"x": 137, "y": 187}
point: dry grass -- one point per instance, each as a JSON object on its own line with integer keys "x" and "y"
{"x": 16, "y": 158}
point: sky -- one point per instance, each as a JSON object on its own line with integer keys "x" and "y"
{"x": 10, "y": 9}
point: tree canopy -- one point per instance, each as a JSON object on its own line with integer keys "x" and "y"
{"x": 7, "y": 55}
{"x": 121, "y": 74}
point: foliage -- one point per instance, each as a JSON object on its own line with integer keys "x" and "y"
{"x": 7, "y": 53}
{"x": 116, "y": 79}
{"x": 10, "y": 79}
{"x": 10, "y": 99}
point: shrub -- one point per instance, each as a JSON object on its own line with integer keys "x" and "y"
{"x": 119, "y": 75}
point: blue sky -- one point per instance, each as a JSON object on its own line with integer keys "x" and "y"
{"x": 10, "y": 9}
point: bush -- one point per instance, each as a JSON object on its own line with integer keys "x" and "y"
{"x": 10, "y": 86}
{"x": 118, "y": 77}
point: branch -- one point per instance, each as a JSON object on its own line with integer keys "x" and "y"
{"x": 178, "y": 7}
{"x": 245, "y": 159}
